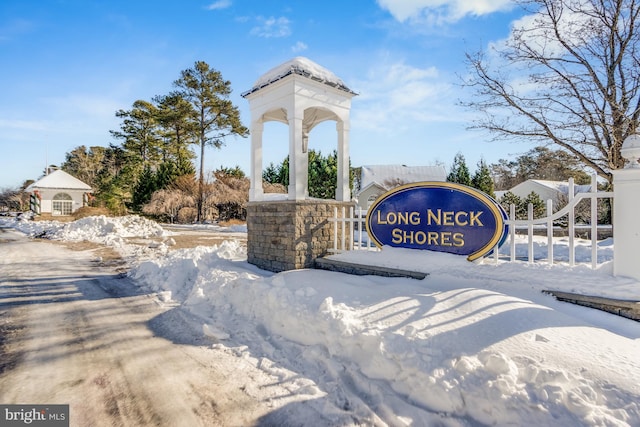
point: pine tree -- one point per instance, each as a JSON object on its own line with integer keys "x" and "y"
{"x": 214, "y": 114}
{"x": 482, "y": 179}
{"x": 539, "y": 207}
{"x": 509, "y": 199}
{"x": 144, "y": 189}
{"x": 139, "y": 131}
{"x": 459, "y": 171}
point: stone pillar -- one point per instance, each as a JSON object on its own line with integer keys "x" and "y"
{"x": 626, "y": 210}
{"x": 289, "y": 235}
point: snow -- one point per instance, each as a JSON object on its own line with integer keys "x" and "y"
{"x": 300, "y": 65}
{"x": 472, "y": 344}
{"x": 58, "y": 179}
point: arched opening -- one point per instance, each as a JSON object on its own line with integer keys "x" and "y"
{"x": 62, "y": 204}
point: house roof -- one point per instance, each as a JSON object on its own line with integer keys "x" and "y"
{"x": 389, "y": 176}
{"x": 59, "y": 180}
{"x": 303, "y": 67}
{"x": 560, "y": 187}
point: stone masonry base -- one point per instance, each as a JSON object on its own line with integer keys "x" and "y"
{"x": 290, "y": 235}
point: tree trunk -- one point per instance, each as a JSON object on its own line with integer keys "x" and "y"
{"x": 201, "y": 183}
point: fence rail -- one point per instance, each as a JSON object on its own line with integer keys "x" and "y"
{"x": 350, "y": 225}
{"x": 349, "y": 229}
{"x": 551, "y": 218}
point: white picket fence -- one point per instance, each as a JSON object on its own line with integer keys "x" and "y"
{"x": 353, "y": 224}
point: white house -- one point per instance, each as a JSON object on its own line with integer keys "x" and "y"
{"x": 378, "y": 179}
{"x": 545, "y": 189}
{"x": 58, "y": 194}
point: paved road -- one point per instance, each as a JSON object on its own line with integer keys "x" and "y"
{"x": 72, "y": 332}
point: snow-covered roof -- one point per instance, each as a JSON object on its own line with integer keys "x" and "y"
{"x": 58, "y": 179}
{"x": 388, "y": 176}
{"x": 559, "y": 187}
{"x": 563, "y": 186}
{"x": 300, "y": 66}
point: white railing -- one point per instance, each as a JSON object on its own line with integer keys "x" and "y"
{"x": 350, "y": 225}
{"x": 550, "y": 218}
{"x": 347, "y": 224}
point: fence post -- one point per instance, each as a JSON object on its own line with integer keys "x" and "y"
{"x": 351, "y": 233}
{"x": 572, "y": 230}
{"x": 512, "y": 233}
{"x": 594, "y": 223}
{"x": 626, "y": 206}
{"x": 550, "y": 232}
{"x": 530, "y": 232}
{"x": 335, "y": 230}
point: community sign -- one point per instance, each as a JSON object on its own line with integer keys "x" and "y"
{"x": 438, "y": 216}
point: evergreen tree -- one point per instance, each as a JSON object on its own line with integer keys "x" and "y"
{"x": 84, "y": 163}
{"x": 323, "y": 174}
{"x": 115, "y": 180}
{"x": 539, "y": 206}
{"x": 234, "y": 172}
{"x": 459, "y": 171}
{"x": 214, "y": 114}
{"x": 509, "y": 199}
{"x": 144, "y": 188}
{"x": 139, "y": 132}
{"x": 482, "y": 179}
{"x": 175, "y": 116}
{"x": 270, "y": 174}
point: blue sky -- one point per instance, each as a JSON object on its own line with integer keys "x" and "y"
{"x": 68, "y": 65}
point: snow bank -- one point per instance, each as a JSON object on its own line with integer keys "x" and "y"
{"x": 451, "y": 344}
{"x": 470, "y": 344}
{"x": 109, "y": 231}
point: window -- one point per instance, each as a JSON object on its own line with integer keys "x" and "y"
{"x": 62, "y": 204}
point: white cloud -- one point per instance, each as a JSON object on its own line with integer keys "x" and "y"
{"x": 220, "y": 4}
{"x": 397, "y": 96}
{"x": 272, "y": 27}
{"x": 299, "y": 47}
{"x": 441, "y": 10}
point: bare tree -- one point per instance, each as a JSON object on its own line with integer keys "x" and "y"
{"x": 581, "y": 92}
{"x": 169, "y": 203}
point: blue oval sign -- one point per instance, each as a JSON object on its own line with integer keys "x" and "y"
{"x": 438, "y": 216}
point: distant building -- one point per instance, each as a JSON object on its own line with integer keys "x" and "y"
{"x": 58, "y": 194}
{"x": 378, "y": 179}
{"x": 545, "y": 189}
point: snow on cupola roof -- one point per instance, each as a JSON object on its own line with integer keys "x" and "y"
{"x": 303, "y": 67}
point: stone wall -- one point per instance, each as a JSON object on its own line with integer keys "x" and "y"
{"x": 289, "y": 235}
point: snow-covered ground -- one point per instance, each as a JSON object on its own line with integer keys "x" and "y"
{"x": 472, "y": 344}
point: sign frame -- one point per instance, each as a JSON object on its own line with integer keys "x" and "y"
{"x": 499, "y": 215}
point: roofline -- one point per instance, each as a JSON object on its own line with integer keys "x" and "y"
{"x": 300, "y": 72}
{"x": 89, "y": 190}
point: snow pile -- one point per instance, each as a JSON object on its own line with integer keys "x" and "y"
{"x": 101, "y": 228}
{"x": 472, "y": 344}
{"x": 109, "y": 231}
{"x": 456, "y": 343}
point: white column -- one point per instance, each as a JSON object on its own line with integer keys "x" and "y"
{"x": 298, "y": 161}
{"x": 256, "y": 192}
{"x": 626, "y": 222}
{"x": 343, "y": 192}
